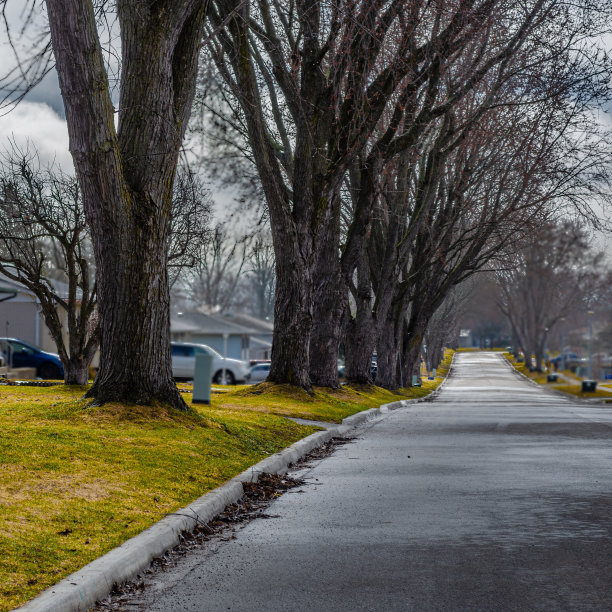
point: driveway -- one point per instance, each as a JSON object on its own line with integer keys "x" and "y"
{"x": 496, "y": 495}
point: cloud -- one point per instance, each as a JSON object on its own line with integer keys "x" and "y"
{"x": 37, "y": 126}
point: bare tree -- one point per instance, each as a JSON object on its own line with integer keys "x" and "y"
{"x": 191, "y": 213}
{"x": 443, "y": 327}
{"x": 126, "y": 175}
{"x": 43, "y": 234}
{"x": 214, "y": 283}
{"x": 260, "y": 276}
{"x": 553, "y": 273}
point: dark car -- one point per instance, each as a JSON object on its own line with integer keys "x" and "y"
{"x": 20, "y": 354}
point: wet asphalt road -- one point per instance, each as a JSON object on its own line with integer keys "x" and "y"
{"x": 494, "y": 496}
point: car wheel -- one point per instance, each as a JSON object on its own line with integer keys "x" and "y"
{"x": 229, "y": 378}
{"x": 49, "y": 371}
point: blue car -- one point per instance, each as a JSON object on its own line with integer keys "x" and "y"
{"x": 20, "y": 354}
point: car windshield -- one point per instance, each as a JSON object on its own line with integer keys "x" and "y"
{"x": 18, "y": 347}
{"x": 206, "y": 350}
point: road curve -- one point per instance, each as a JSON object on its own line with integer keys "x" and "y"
{"x": 496, "y": 495}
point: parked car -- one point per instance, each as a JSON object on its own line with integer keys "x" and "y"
{"x": 259, "y": 372}
{"x": 567, "y": 358}
{"x": 20, "y": 354}
{"x": 183, "y": 363}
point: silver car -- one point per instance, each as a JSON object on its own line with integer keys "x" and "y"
{"x": 183, "y": 363}
{"x": 259, "y": 372}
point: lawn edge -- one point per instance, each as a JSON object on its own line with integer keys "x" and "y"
{"x": 80, "y": 590}
{"x": 569, "y": 396}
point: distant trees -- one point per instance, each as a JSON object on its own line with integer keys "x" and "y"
{"x": 551, "y": 276}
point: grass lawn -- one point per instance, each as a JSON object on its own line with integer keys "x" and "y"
{"x": 564, "y": 386}
{"x": 76, "y": 482}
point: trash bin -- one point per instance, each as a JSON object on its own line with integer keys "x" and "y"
{"x": 589, "y": 386}
{"x": 202, "y": 379}
{"x": 552, "y": 378}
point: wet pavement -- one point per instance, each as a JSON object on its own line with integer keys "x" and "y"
{"x": 496, "y": 495}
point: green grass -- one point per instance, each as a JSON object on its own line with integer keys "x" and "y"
{"x": 562, "y": 386}
{"x": 77, "y": 481}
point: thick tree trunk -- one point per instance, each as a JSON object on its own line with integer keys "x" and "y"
{"x": 539, "y": 359}
{"x": 411, "y": 356}
{"x": 387, "y": 350}
{"x": 292, "y": 318}
{"x": 414, "y": 331}
{"x": 327, "y": 333}
{"x": 126, "y": 176}
{"x": 134, "y": 310}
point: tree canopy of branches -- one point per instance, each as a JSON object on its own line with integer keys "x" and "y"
{"x": 477, "y": 179}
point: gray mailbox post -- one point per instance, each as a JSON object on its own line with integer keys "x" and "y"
{"x": 202, "y": 378}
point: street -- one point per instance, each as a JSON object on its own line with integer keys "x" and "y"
{"x": 495, "y": 495}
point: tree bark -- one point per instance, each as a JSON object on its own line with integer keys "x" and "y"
{"x": 360, "y": 331}
{"x": 126, "y": 177}
{"x": 330, "y": 299}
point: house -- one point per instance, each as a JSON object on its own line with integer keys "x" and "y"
{"x": 466, "y": 338}
{"x": 21, "y": 316}
{"x": 234, "y": 335}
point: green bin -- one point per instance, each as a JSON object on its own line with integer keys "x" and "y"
{"x": 202, "y": 378}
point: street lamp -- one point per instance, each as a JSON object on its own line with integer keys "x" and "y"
{"x": 562, "y": 344}
{"x": 591, "y": 313}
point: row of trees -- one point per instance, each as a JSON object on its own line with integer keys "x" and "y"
{"x": 399, "y": 147}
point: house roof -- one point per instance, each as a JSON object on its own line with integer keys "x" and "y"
{"x": 245, "y": 320}
{"x": 59, "y": 287}
{"x": 198, "y": 322}
{"x": 195, "y": 321}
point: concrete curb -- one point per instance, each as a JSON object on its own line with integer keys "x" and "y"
{"x": 80, "y": 591}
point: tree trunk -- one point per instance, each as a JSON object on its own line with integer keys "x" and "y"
{"x": 76, "y": 371}
{"x": 360, "y": 331}
{"x": 326, "y": 334}
{"x": 388, "y": 346}
{"x": 411, "y": 356}
{"x": 126, "y": 176}
{"x": 330, "y": 298}
{"x": 292, "y": 317}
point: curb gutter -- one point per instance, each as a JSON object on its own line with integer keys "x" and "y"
{"x": 82, "y": 589}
